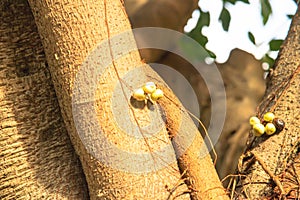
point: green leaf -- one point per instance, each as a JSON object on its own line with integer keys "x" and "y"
{"x": 234, "y": 1}
{"x": 244, "y": 1}
{"x": 193, "y": 52}
{"x": 268, "y": 60}
{"x": 196, "y": 33}
{"x": 251, "y": 37}
{"x": 266, "y": 10}
{"x": 225, "y": 18}
{"x": 230, "y": 1}
{"x": 275, "y": 45}
{"x": 199, "y": 37}
{"x": 290, "y": 16}
{"x": 211, "y": 54}
{"x": 204, "y": 18}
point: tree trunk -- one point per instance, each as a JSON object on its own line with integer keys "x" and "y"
{"x": 242, "y": 76}
{"x": 91, "y": 96}
{"x": 268, "y": 159}
{"x": 37, "y": 160}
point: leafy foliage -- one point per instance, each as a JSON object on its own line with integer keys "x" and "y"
{"x": 196, "y": 33}
{"x": 266, "y": 10}
{"x": 225, "y": 18}
{"x": 234, "y": 1}
{"x": 251, "y": 37}
{"x": 275, "y": 45}
{"x": 267, "y": 59}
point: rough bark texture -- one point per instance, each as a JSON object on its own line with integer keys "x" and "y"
{"x": 70, "y": 31}
{"x": 269, "y": 156}
{"x": 242, "y": 75}
{"x": 37, "y": 160}
{"x": 244, "y": 84}
{"x": 195, "y": 162}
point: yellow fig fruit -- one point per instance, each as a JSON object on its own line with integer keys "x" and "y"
{"x": 258, "y": 129}
{"x": 149, "y": 87}
{"x": 270, "y": 128}
{"x": 254, "y": 120}
{"x": 157, "y": 94}
{"x": 268, "y": 117}
{"x": 139, "y": 95}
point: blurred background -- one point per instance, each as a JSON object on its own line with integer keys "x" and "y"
{"x": 241, "y": 37}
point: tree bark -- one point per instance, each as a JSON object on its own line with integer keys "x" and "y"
{"x": 242, "y": 75}
{"x": 37, "y": 160}
{"x": 268, "y": 157}
{"x": 71, "y": 30}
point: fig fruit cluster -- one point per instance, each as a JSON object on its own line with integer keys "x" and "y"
{"x": 269, "y": 125}
{"x": 148, "y": 92}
